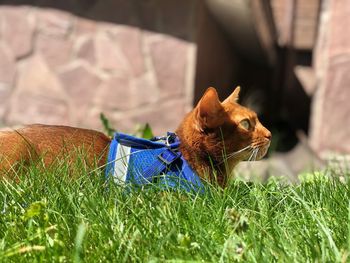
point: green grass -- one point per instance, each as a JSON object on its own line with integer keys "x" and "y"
{"x": 50, "y": 217}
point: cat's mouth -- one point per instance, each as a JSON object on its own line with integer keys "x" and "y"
{"x": 252, "y": 152}
{"x": 263, "y": 151}
{"x": 257, "y": 152}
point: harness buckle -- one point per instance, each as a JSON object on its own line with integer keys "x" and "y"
{"x": 170, "y": 138}
{"x": 168, "y": 156}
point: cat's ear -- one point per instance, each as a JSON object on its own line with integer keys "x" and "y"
{"x": 233, "y": 98}
{"x": 209, "y": 110}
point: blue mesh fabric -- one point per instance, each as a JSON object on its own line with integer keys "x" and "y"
{"x": 143, "y": 155}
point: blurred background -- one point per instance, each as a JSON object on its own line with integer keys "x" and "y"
{"x": 149, "y": 61}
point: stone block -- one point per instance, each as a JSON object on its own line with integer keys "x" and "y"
{"x": 5, "y": 91}
{"x": 146, "y": 90}
{"x": 169, "y": 57}
{"x": 331, "y": 116}
{"x": 38, "y": 96}
{"x": 81, "y": 84}
{"x": 87, "y": 50}
{"x": 162, "y": 117}
{"x": 124, "y": 123}
{"x": 129, "y": 39}
{"x": 116, "y": 94}
{"x": 85, "y": 26}
{"x": 7, "y": 65}
{"x": 92, "y": 118}
{"x": 30, "y": 108}
{"x": 17, "y": 30}
{"x": 122, "y": 94}
{"x": 109, "y": 56}
{"x": 55, "y": 51}
{"x": 7, "y": 75}
{"x": 54, "y": 22}
{"x": 339, "y": 41}
{"x": 35, "y": 77}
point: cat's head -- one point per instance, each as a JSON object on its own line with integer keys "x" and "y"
{"x": 230, "y": 129}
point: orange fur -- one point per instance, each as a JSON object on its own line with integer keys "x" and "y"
{"x": 51, "y": 143}
{"x": 212, "y": 137}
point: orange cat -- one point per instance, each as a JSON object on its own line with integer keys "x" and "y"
{"x": 220, "y": 135}
{"x": 214, "y": 137}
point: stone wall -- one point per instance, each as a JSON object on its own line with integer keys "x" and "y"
{"x": 331, "y": 108}
{"x": 60, "y": 68}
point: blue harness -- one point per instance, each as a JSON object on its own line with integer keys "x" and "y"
{"x": 140, "y": 162}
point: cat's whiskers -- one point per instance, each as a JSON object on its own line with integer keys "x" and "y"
{"x": 234, "y": 154}
{"x": 238, "y": 152}
{"x": 256, "y": 153}
{"x": 253, "y": 154}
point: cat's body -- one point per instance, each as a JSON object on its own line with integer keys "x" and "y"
{"x": 51, "y": 142}
{"x": 214, "y": 136}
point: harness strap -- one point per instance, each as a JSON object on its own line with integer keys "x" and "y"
{"x": 164, "y": 160}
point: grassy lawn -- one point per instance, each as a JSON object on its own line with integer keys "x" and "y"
{"x": 49, "y": 217}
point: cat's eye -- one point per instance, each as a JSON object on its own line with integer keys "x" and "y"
{"x": 245, "y": 124}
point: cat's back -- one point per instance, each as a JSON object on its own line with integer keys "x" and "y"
{"x": 37, "y": 133}
{"x": 51, "y": 141}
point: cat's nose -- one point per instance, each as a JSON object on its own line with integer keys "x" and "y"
{"x": 268, "y": 135}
